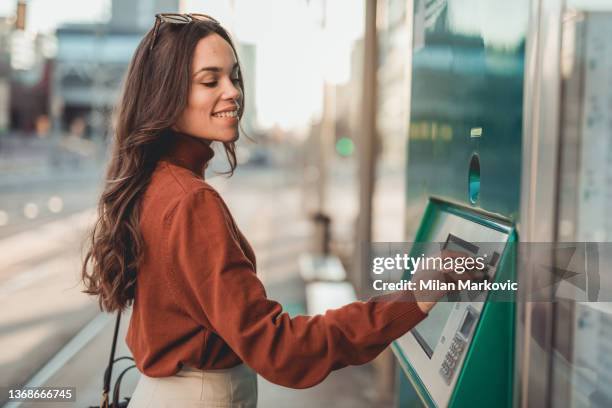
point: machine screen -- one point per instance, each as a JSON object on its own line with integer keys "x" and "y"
{"x": 455, "y": 243}
{"x": 457, "y": 234}
{"x": 468, "y": 322}
{"x": 429, "y": 331}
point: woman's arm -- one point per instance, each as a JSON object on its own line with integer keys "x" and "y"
{"x": 220, "y": 289}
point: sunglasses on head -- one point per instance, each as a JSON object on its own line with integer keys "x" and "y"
{"x": 177, "y": 18}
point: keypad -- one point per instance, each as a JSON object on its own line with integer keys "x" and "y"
{"x": 452, "y": 357}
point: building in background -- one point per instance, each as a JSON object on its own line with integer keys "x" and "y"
{"x": 5, "y": 72}
{"x": 91, "y": 62}
{"x": 31, "y": 70}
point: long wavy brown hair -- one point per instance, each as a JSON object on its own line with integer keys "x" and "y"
{"x": 155, "y": 93}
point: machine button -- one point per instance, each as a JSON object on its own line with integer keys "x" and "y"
{"x": 457, "y": 342}
{"x": 446, "y": 374}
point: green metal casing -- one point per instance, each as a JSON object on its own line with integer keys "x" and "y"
{"x": 467, "y": 100}
{"x": 486, "y": 376}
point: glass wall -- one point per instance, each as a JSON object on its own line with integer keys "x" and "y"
{"x": 582, "y": 352}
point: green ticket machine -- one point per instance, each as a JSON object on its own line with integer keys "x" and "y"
{"x": 463, "y": 188}
{"x": 462, "y": 354}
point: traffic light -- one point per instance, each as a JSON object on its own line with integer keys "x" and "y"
{"x": 345, "y": 146}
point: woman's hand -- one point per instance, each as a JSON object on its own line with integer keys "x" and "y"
{"x": 427, "y": 298}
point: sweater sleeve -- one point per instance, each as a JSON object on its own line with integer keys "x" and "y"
{"x": 220, "y": 290}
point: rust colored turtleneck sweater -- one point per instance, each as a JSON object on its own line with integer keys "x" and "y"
{"x": 199, "y": 302}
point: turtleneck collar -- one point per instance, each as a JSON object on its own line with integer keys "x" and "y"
{"x": 188, "y": 151}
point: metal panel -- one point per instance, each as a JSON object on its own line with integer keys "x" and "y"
{"x": 539, "y": 193}
{"x": 466, "y": 99}
{"x": 483, "y": 372}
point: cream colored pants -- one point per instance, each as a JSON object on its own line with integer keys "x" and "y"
{"x": 192, "y": 388}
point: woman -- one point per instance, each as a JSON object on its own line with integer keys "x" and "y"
{"x": 166, "y": 243}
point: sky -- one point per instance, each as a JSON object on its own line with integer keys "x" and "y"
{"x": 294, "y": 53}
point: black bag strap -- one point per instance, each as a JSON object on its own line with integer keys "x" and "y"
{"x": 109, "y": 368}
{"x": 117, "y": 389}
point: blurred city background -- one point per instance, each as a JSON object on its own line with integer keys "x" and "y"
{"x": 358, "y": 111}
{"x": 61, "y": 69}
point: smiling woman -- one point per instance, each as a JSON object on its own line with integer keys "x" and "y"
{"x": 166, "y": 108}
{"x": 165, "y": 243}
{"x": 215, "y": 98}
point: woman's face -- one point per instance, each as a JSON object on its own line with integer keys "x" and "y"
{"x": 214, "y": 97}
